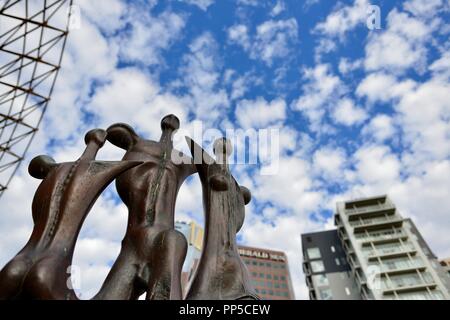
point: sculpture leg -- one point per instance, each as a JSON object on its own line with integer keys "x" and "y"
{"x": 122, "y": 282}
{"x": 168, "y": 256}
{"x": 12, "y": 277}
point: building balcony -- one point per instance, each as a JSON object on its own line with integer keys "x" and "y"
{"x": 376, "y": 223}
{"x": 366, "y": 211}
{"x": 409, "y": 287}
{"x": 401, "y": 268}
{"x": 342, "y": 234}
{"x": 391, "y": 252}
{"x": 382, "y": 238}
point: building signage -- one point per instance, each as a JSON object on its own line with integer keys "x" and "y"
{"x": 261, "y": 254}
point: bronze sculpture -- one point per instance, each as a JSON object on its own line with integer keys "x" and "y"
{"x": 152, "y": 252}
{"x": 221, "y": 274}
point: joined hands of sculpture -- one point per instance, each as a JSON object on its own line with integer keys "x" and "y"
{"x": 152, "y": 252}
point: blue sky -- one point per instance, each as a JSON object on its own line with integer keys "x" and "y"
{"x": 359, "y": 112}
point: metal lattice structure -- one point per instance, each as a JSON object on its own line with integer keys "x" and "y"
{"x": 32, "y": 39}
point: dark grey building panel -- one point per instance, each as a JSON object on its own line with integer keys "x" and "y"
{"x": 333, "y": 279}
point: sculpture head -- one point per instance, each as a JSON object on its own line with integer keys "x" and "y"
{"x": 216, "y": 177}
{"x": 122, "y": 136}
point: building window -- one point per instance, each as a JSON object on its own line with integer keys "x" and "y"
{"x": 261, "y": 264}
{"x": 325, "y": 294}
{"x": 333, "y": 249}
{"x": 320, "y": 280}
{"x": 338, "y": 263}
{"x": 283, "y": 278}
{"x": 261, "y": 275}
{"x": 269, "y": 276}
{"x": 317, "y": 266}
{"x": 347, "y": 291}
{"x": 314, "y": 253}
{"x": 275, "y": 277}
{"x": 268, "y": 264}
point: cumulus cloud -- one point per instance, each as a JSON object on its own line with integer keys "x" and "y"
{"x": 321, "y": 89}
{"x": 348, "y": 114}
{"x": 344, "y": 19}
{"x": 202, "y": 4}
{"x": 260, "y": 113}
{"x": 402, "y": 45}
{"x": 272, "y": 40}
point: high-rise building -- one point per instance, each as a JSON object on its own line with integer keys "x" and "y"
{"x": 327, "y": 272}
{"x": 269, "y": 273}
{"x": 194, "y": 236}
{"x": 388, "y": 257}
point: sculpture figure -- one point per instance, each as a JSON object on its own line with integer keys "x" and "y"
{"x": 221, "y": 273}
{"x": 61, "y": 203}
{"x": 148, "y": 179}
{"x": 153, "y": 252}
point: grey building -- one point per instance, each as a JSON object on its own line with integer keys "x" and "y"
{"x": 387, "y": 256}
{"x": 327, "y": 272}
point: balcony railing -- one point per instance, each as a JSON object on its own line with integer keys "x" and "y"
{"x": 372, "y": 208}
{"x": 405, "y": 285}
{"x": 390, "y": 251}
{"x": 374, "y": 221}
{"x": 400, "y": 266}
{"x": 381, "y": 237}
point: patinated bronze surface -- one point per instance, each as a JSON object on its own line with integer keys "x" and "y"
{"x": 60, "y": 205}
{"x": 151, "y": 258}
{"x": 151, "y": 245}
{"x": 221, "y": 273}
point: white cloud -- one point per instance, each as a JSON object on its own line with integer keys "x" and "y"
{"x": 425, "y": 8}
{"x": 376, "y": 164}
{"x": 348, "y": 114}
{"x": 273, "y": 39}
{"x": 343, "y": 19}
{"x": 402, "y": 45}
{"x": 380, "y": 128}
{"x": 329, "y": 162}
{"x": 346, "y": 66}
{"x": 202, "y": 4}
{"x": 260, "y": 113}
{"x": 131, "y": 90}
{"x": 279, "y": 7}
{"x": 201, "y": 74}
{"x": 149, "y": 35}
{"x": 322, "y": 87}
{"x": 383, "y": 87}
